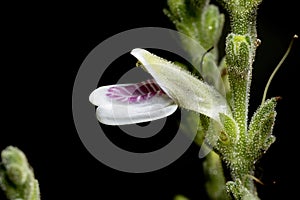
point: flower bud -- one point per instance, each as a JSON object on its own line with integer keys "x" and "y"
{"x": 211, "y": 26}
{"x": 238, "y": 55}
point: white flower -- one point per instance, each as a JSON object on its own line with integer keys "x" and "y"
{"x": 171, "y": 87}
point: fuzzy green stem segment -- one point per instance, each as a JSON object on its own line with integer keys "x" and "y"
{"x": 240, "y": 53}
{"x": 243, "y": 15}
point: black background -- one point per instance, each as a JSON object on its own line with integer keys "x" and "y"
{"x": 43, "y": 46}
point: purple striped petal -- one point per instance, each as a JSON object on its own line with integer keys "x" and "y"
{"x": 135, "y": 93}
{"x": 131, "y": 103}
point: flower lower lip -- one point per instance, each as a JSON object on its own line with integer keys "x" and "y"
{"x": 135, "y": 93}
{"x": 131, "y": 103}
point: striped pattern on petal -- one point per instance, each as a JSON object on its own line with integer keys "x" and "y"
{"x": 131, "y": 103}
{"x": 135, "y": 93}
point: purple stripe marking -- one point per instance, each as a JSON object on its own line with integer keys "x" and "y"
{"x": 135, "y": 93}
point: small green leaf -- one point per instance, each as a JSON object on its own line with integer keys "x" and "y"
{"x": 16, "y": 176}
{"x": 15, "y": 164}
{"x": 260, "y": 128}
{"x": 230, "y": 127}
{"x": 223, "y": 137}
{"x": 211, "y": 26}
{"x": 238, "y": 191}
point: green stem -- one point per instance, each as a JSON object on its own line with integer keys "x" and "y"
{"x": 240, "y": 53}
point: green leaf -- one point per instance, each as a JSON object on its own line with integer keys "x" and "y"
{"x": 231, "y": 129}
{"x": 260, "y": 128}
{"x": 16, "y": 176}
{"x": 223, "y": 137}
{"x": 238, "y": 191}
{"x": 211, "y": 27}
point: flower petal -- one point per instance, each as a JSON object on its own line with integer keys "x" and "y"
{"x": 131, "y": 103}
{"x": 186, "y": 90}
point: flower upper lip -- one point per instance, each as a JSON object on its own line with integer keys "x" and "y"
{"x": 185, "y": 89}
